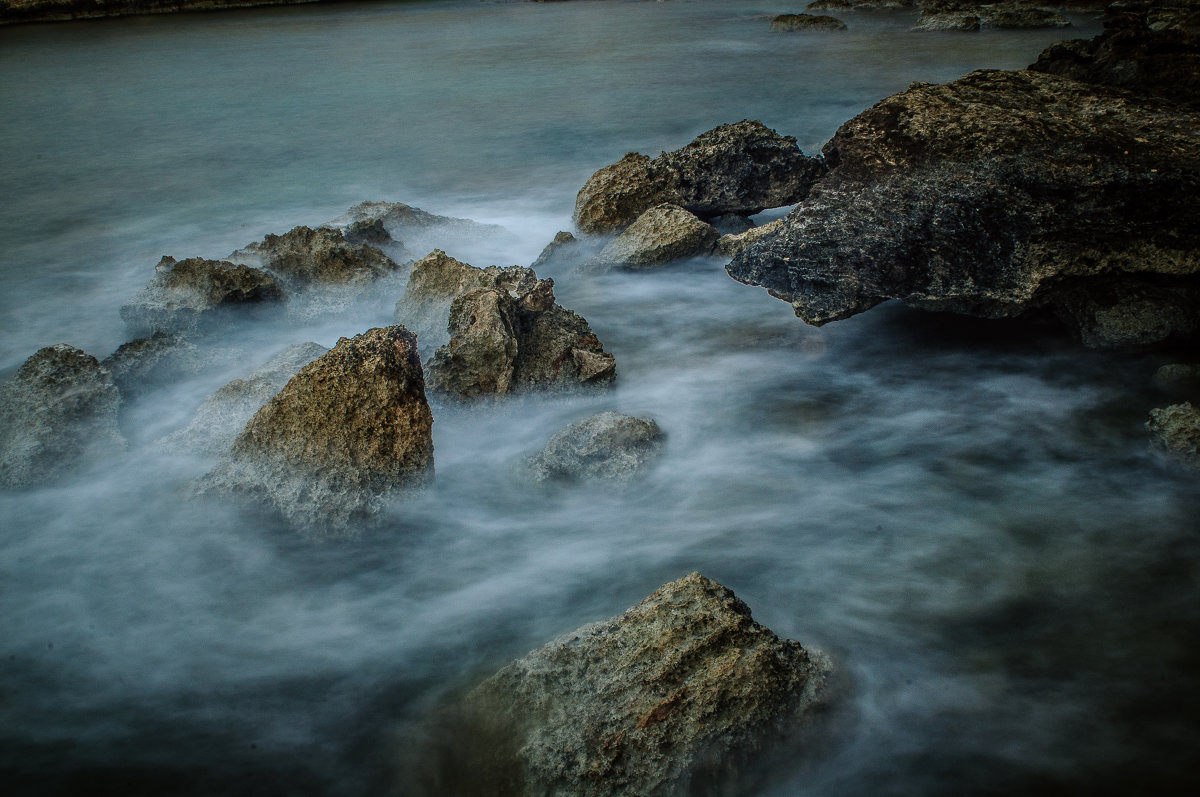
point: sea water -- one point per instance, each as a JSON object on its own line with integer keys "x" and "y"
{"x": 965, "y": 515}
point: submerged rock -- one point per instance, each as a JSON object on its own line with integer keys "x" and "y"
{"x": 1175, "y": 430}
{"x": 799, "y": 22}
{"x": 670, "y": 697}
{"x": 58, "y": 412}
{"x": 564, "y": 247}
{"x": 187, "y": 295}
{"x": 346, "y": 432}
{"x": 738, "y": 168}
{"x": 146, "y": 362}
{"x": 993, "y": 195}
{"x": 660, "y": 235}
{"x": 305, "y": 257}
{"x": 608, "y": 446}
{"x": 411, "y": 229}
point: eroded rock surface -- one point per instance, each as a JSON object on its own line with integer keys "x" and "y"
{"x": 306, "y": 257}
{"x": 56, "y": 414}
{"x": 187, "y": 295}
{"x": 608, "y": 446}
{"x": 668, "y": 698}
{"x": 1175, "y": 430}
{"x": 660, "y": 235}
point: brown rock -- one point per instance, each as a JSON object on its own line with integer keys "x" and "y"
{"x": 305, "y": 257}
{"x": 1175, "y": 430}
{"x": 660, "y": 235}
{"x": 186, "y": 295}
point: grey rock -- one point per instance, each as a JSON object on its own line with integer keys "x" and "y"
{"x": 1175, "y": 431}
{"x": 608, "y": 446}
{"x": 58, "y": 413}
{"x": 660, "y": 235}
{"x": 414, "y": 229}
{"x": 731, "y": 224}
{"x": 188, "y": 296}
{"x": 806, "y": 22}
{"x": 151, "y": 361}
{"x": 564, "y": 247}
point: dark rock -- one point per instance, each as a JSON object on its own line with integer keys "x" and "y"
{"x": 58, "y": 412}
{"x": 187, "y": 295}
{"x": 349, "y": 430}
{"x": 738, "y": 168}
{"x": 564, "y": 246}
{"x": 660, "y": 235}
{"x": 731, "y": 224}
{"x": 1175, "y": 431}
{"x": 671, "y": 697}
{"x": 1129, "y": 311}
{"x": 305, "y": 257}
{"x": 367, "y": 232}
{"x": 479, "y": 359}
{"x": 800, "y": 22}
{"x": 990, "y": 196}
{"x": 860, "y": 5}
{"x": 1178, "y": 376}
{"x": 608, "y": 446}
{"x": 960, "y": 15}
{"x": 146, "y": 362}
{"x": 948, "y": 20}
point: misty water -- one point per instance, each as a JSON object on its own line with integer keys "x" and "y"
{"x": 964, "y": 514}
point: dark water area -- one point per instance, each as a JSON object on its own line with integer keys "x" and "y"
{"x": 964, "y": 514}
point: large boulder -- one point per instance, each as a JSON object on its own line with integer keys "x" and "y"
{"x": 186, "y": 296}
{"x": 608, "y": 446}
{"x": 1175, "y": 430}
{"x": 662, "y": 234}
{"x": 993, "y": 195}
{"x": 305, "y": 257}
{"x": 670, "y": 697}
{"x": 735, "y": 168}
{"x": 348, "y": 430}
{"x": 56, "y": 414}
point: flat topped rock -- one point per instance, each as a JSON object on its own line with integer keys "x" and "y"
{"x": 668, "y": 698}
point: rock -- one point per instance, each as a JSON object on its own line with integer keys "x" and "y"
{"x": 860, "y": 5}
{"x": 799, "y": 22}
{"x": 186, "y": 296}
{"x": 305, "y": 257}
{"x": 731, "y": 224}
{"x": 730, "y": 245}
{"x": 223, "y": 415}
{"x": 564, "y": 247}
{"x": 1118, "y": 312}
{"x": 660, "y": 235}
{"x": 1175, "y": 431}
{"x": 959, "y": 15}
{"x": 146, "y": 362}
{"x": 58, "y": 412}
{"x": 479, "y": 359}
{"x": 1177, "y": 376}
{"x": 414, "y": 229}
{"x": 948, "y": 20}
{"x": 348, "y": 431}
{"x": 608, "y": 446}
{"x": 738, "y": 168}
{"x": 670, "y": 697}
{"x": 992, "y": 196}
{"x": 368, "y": 232}
{"x": 1014, "y": 16}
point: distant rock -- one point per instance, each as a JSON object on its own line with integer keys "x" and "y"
{"x": 860, "y": 5}
{"x": 608, "y": 446}
{"x": 563, "y": 247}
{"x": 148, "y": 362}
{"x": 730, "y": 245}
{"x": 968, "y": 15}
{"x": 223, "y": 415}
{"x": 305, "y": 257}
{"x": 662, "y": 234}
{"x": 348, "y": 431}
{"x": 1178, "y": 376}
{"x": 1175, "y": 431}
{"x": 671, "y": 697}
{"x": 738, "y": 168}
{"x": 186, "y": 296}
{"x": 57, "y": 413}
{"x": 803, "y": 22}
{"x": 413, "y": 229}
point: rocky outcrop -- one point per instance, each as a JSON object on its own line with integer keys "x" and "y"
{"x": 56, "y": 414}
{"x": 305, "y": 257}
{"x": 738, "y": 168}
{"x": 348, "y": 430}
{"x": 670, "y": 697}
{"x": 993, "y": 195}
{"x": 660, "y": 235}
{"x": 224, "y": 414}
{"x": 1175, "y": 430}
{"x": 146, "y": 362}
{"x": 801, "y": 22}
{"x": 608, "y": 446}
{"x": 186, "y": 296}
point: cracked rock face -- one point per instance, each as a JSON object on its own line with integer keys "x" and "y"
{"x": 668, "y": 698}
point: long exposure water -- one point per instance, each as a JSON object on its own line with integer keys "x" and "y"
{"x": 965, "y": 515}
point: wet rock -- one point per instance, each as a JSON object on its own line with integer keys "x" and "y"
{"x": 223, "y": 415}
{"x": 738, "y": 168}
{"x": 348, "y": 431}
{"x": 860, "y": 5}
{"x": 58, "y": 412}
{"x": 186, "y": 296}
{"x": 801, "y": 22}
{"x": 1178, "y": 376}
{"x": 670, "y": 697}
{"x": 731, "y": 224}
{"x": 948, "y": 20}
{"x": 150, "y": 361}
{"x": 660, "y": 235}
{"x": 990, "y": 196}
{"x": 413, "y": 229}
{"x": 305, "y": 257}
{"x": 367, "y": 232}
{"x": 1119, "y": 312}
{"x": 479, "y": 359}
{"x": 958, "y": 15}
{"x": 730, "y": 245}
{"x": 608, "y": 446}
{"x": 565, "y": 246}
{"x": 1175, "y": 430}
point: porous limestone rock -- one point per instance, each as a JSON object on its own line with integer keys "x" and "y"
{"x": 305, "y": 257}
{"x": 186, "y": 296}
{"x": 804, "y": 22}
{"x": 660, "y": 235}
{"x": 56, "y": 414}
{"x": 608, "y": 445}
{"x": 730, "y": 245}
{"x": 1175, "y": 430}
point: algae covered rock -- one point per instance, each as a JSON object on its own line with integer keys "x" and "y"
{"x": 1175, "y": 430}
{"x": 347, "y": 431}
{"x": 608, "y": 446}
{"x": 668, "y": 698}
{"x": 660, "y": 235}
{"x": 187, "y": 295}
{"x": 58, "y": 412}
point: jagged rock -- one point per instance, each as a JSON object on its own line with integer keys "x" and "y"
{"x": 730, "y": 245}
{"x": 990, "y": 196}
{"x": 223, "y": 415}
{"x": 564, "y": 246}
{"x": 478, "y": 360}
{"x": 608, "y": 446}
{"x": 858, "y": 5}
{"x": 801, "y": 22}
{"x": 149, "y": 361}
{"x": 1175, "y": 430}
{"x": 305, "y": 257}
{"x": 368, "y": 232}
{"x": 670, "y": 697}
{"x": 735, "y": 168}
{"x": 58, "y": 412}
{"x": 345, "y": 433}
{"x": 660, "y": 235}
{"x": 187, "y": 295}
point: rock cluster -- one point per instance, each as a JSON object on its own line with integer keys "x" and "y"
{"x": 608, "y": 446}
{"x": 58, "y": 412}
{"x": 186, "y": 296}
{"x": 668, "y": 698}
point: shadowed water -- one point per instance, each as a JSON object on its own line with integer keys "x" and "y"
{"x": 964, "y": 514}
